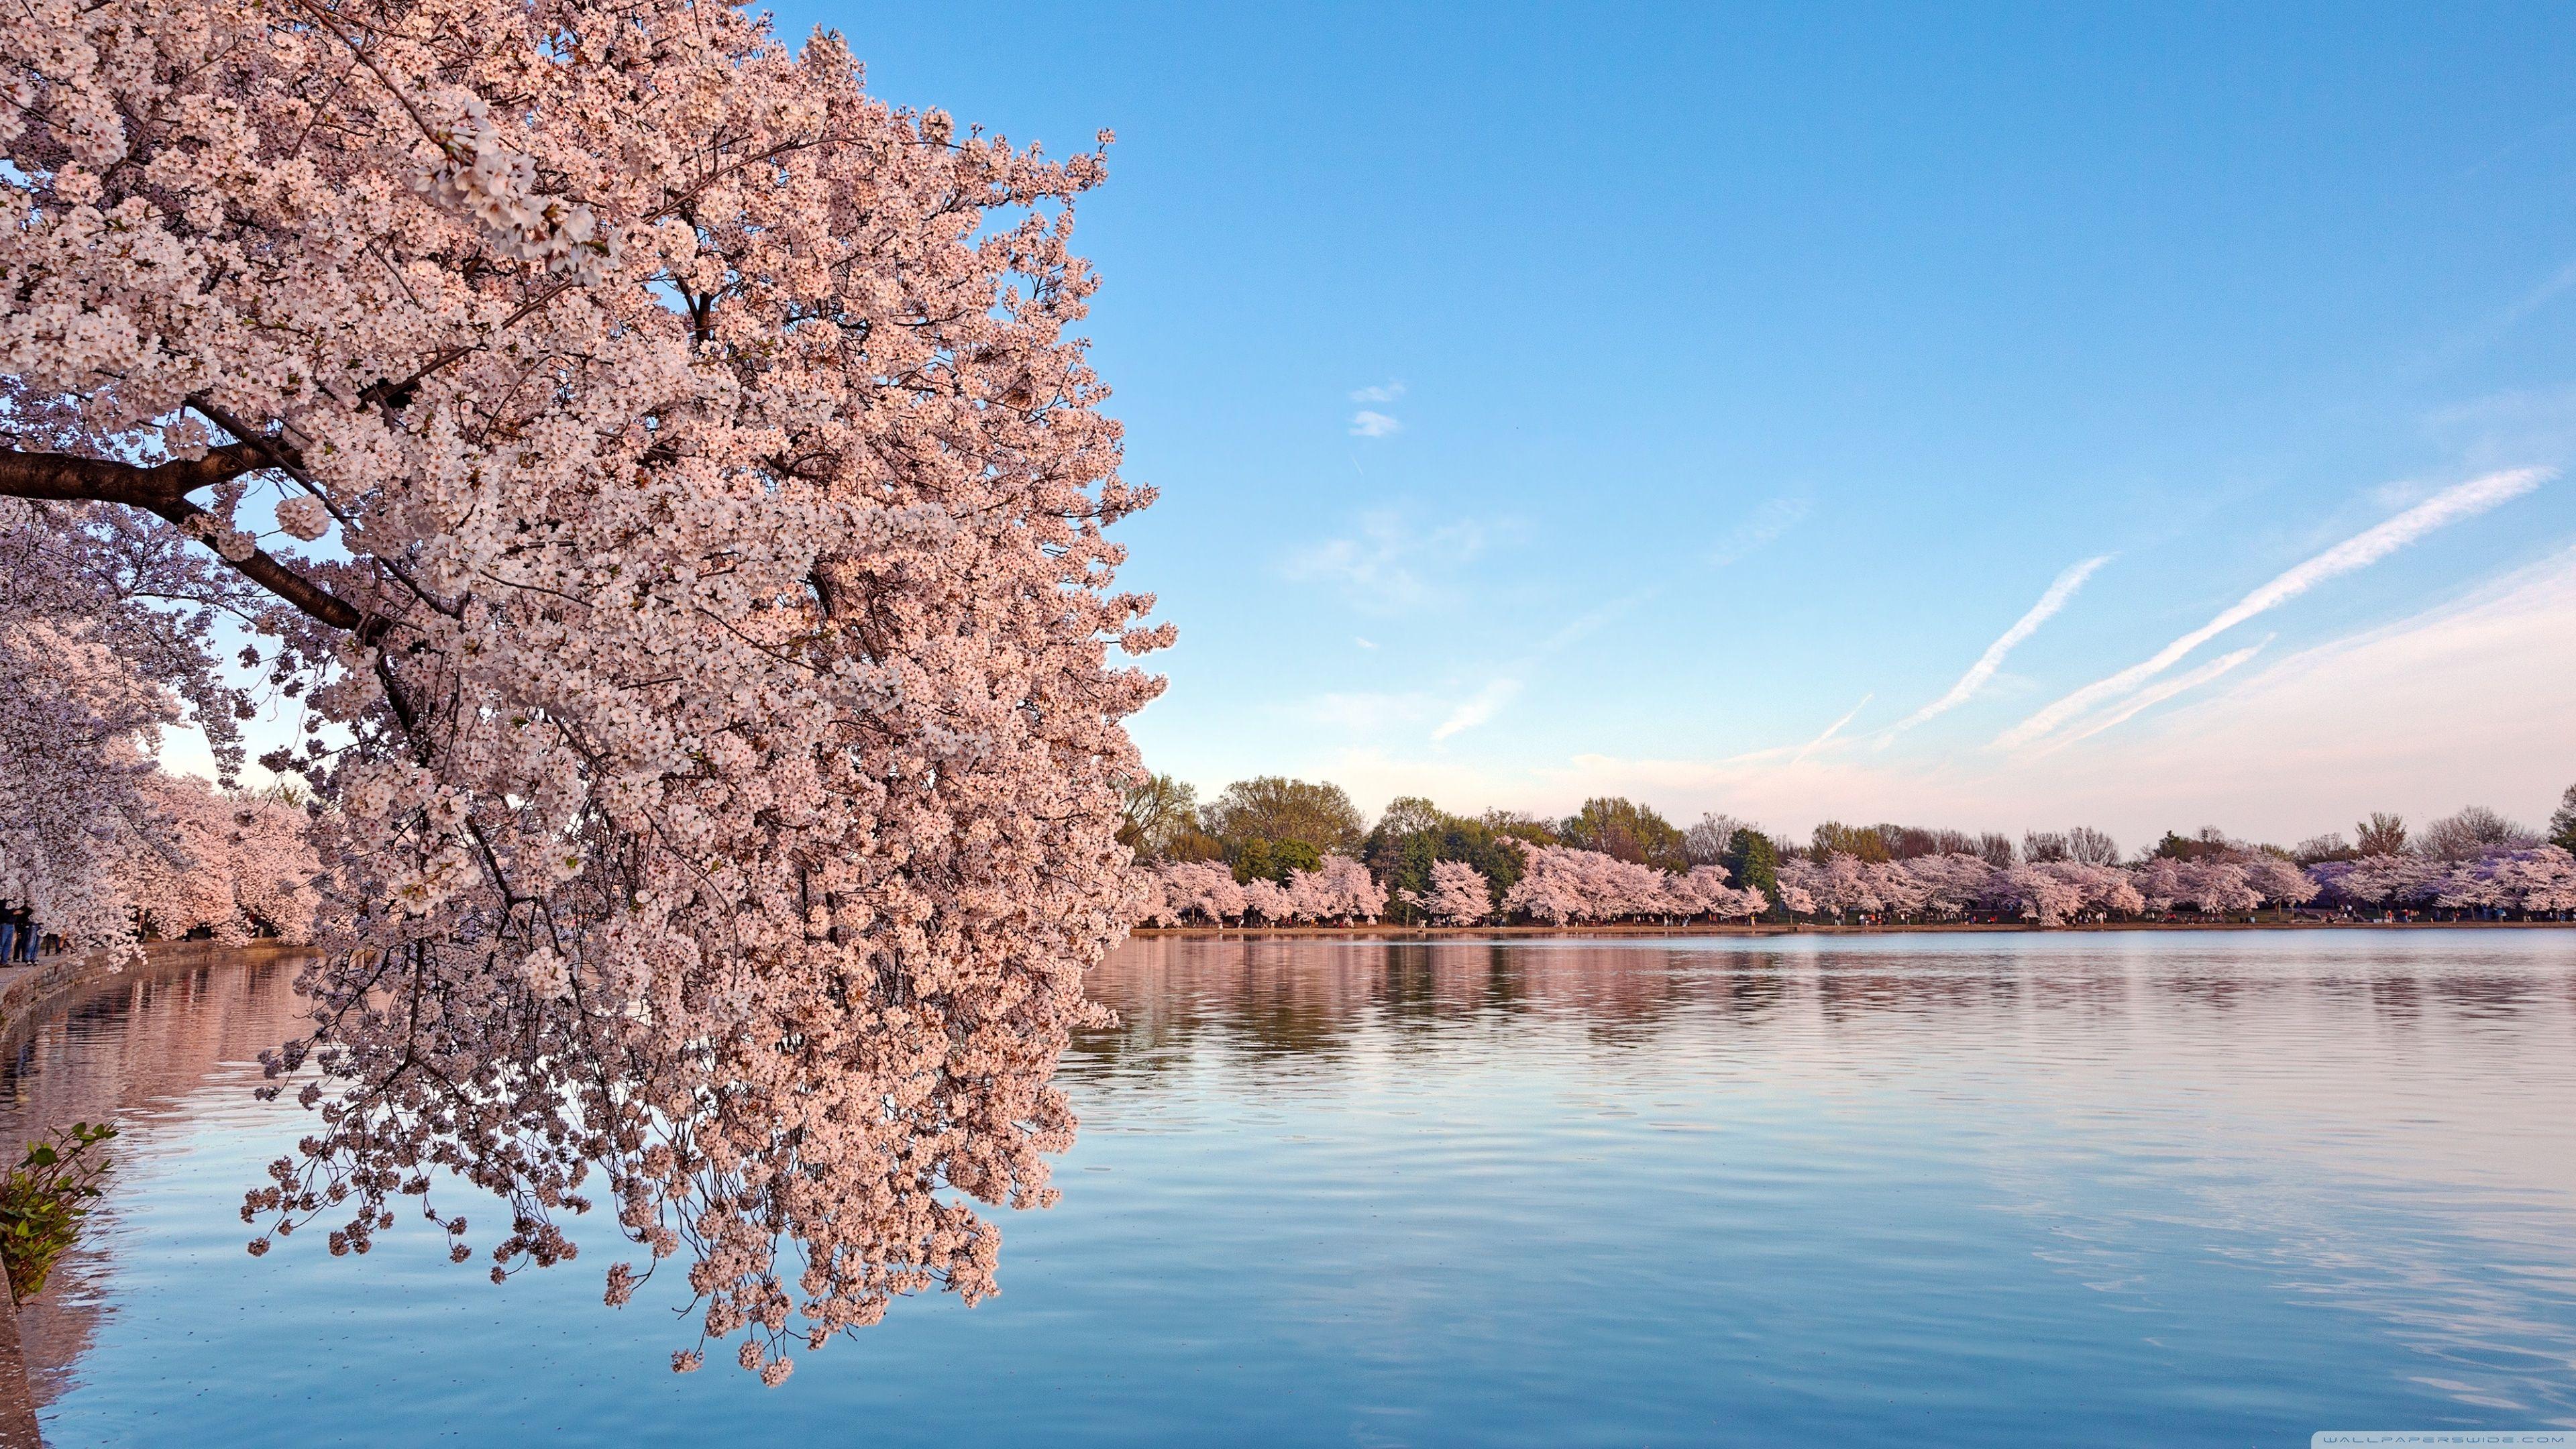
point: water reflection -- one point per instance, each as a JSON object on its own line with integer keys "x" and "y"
{"x": 129, "y": 1048}
{"x": 1959, "y": 1189}
{"x": 1308, "y": 998}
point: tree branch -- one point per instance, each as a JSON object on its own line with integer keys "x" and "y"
{"x": 63, "y": 477}
{"x": 163, "y": 490}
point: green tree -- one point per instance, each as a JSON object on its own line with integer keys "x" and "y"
{"x": 1413, "y": 833}
{"x": 1160, "y": 811}
{"x": 1753, "y": 862}
{"x": 2562, "y": 826}
{"x": 1518, "y": 826}
{"x": 1271, "y": 859}
{"x": 1272, "y": 807}
{"x": 2211, "y": 841}
{"x": 1833, "y": 838}
{"x": 2381, "y": 834}
{"x": 1399, "y": 852}
{"x": 1407, "y": 815}
{"x": 1489, "y": 850}
{"x": 1618, "y": 826}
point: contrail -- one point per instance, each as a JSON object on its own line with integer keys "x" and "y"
{"x": 2153, "y": 695}
{"x": 1832, "y": 730}
{"x": 2368, "y": 547}
{"x": 1987, "y": 663}
{"x": 1478, "y": 709}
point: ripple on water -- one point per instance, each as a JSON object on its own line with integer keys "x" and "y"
{"x": 2112, "y": 1188}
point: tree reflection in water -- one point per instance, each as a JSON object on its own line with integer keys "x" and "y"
{"x": 2253, "y": 1082}
{"x": 1308, "y": 998}
{"x": 126, "y": 1049}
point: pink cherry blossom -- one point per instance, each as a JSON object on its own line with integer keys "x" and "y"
{"x": 1460, "y": 894}
{"x": 717, "y": 726}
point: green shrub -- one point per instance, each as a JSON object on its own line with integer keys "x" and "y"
{"x": 43, "y": 1202}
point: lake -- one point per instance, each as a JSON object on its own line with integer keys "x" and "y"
{"x": 2121, "y": 1188}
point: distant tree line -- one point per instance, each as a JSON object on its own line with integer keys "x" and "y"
{"x": 1276, "y": 849}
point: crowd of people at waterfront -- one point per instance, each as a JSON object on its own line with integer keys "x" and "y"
{"x": 21, "y": 941}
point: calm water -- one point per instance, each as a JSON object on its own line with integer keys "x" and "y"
{"x": 2115, "y": 1189}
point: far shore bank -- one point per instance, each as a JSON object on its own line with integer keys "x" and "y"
{"x": 1809, "y": 928}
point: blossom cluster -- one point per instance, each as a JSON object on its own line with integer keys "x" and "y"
{"x": 2538, "y": 880}
{"x": 1339, "y": 890}
{"x": 716, "y": 693}
{"x": 1561, "y": 885}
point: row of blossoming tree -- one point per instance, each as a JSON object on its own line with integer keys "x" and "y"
{"x": 663, "y": 485}
{"x": 1422, "y": 865}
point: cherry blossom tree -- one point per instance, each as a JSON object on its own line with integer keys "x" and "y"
{"x": 2380, "y": 881}
{"x": 2541, "y": 881}
{"x": 1340, "y": 889}
{"x": 2276, "y": 880}
{"x": 1157, "y": 909}
{"x": 107, "y": 638}
{"x": 1795, "y": 898}
{"x": 2534, "y": 880}
{"x": 1953, "y": 882}
{"x": 1901, "y": 892}
{"x": 1268, "y": 901}
{"x": 232, "y": 865}
{"x": 2040, "y": 894}
{"x": 1560, "y": 885}
{"x": 1703, "y": 891}
{"x": 1204, "y": 889}
{"x": 1550, "y": 888}
{"x": 718, "y": 733}
{"x": 2219, "y": 886}
{"x": 1460, "y": 894}
{"x": 76, "y": 725}
{"x": 2104, "y": 890}
{"x": 2469, "y": 885}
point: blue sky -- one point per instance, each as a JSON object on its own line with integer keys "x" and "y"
{"x": 1733, "y": 367}
{"x": 1672, "y": 401}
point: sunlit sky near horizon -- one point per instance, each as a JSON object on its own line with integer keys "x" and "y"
{"x": 1683, "y": 401}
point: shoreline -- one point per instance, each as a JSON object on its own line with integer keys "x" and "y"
{"x": 25, "y": 992}
{"x": 1631, "y": 928}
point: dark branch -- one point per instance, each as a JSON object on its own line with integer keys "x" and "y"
{"x": 163, "y": 490}
{"x": 65, "y": 478}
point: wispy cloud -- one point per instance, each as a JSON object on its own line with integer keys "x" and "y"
{"x": 1390, "y": 563}
{"x": 1363, "y": 641}
{"x": 2467, "y": 701}
{"x": 1478, "y": 708}
{"x": 2156, "y": 694}
{"x": 1481, "y": 707}
{"x": 1831, "y": 730}
{"x": 1759, "y": 528}
{"x": 1367, "y": 424}
{"x": 1364, "y": 712}
{"x": 1987, "y": 663}
{"x": 2363, "y": 549}
{"x": 1384, "y": 392}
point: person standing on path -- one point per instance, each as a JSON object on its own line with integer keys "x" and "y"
{"x": 8, "y": 931}
{"x": 27, "y": 938}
